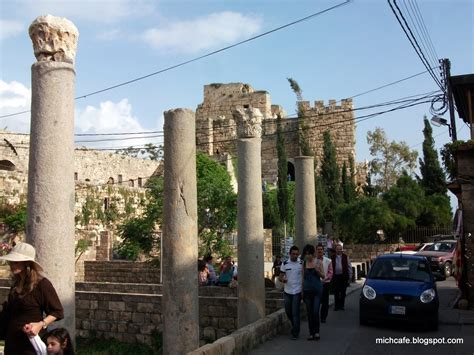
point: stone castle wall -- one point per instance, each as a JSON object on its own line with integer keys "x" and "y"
{"x": 216, "y": 129}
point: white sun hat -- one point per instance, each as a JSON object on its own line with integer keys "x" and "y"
{"x": 22, "y": 252}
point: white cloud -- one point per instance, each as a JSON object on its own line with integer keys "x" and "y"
{"x": 205, "y": 32}
{"x": 110, "y": 117}
{"x": 10, "y": 28}
{"x": 14, "y": 97}
{"x": 103, "y": 11}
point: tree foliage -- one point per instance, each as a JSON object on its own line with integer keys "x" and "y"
{"x": 359, "y": 220}
{"x": 217, "y": 211}
{"x": 305, "y": 148}
{"x": 282, "y": 195}
{"x": 330, "y": 177}
{"x": 14, "y": 217}
{"x": 150, "y": 151}
{"x": 391, "y": 159}
{"x": 432, "y": 177}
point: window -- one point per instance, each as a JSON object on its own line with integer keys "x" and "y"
{"x": 140, "y": 183}
{"x": 120, "y": 179}
{"x": 131, "y": 183}
{"x": 110, "y": 181}
{"x": 76, "y": 176}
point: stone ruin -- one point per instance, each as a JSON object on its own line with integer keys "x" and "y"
{"x": 216, "y": 129}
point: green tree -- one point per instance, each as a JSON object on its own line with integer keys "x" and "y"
{"x": 406, "y": 201}
{"x": 305, "y": 148}
{"x": 432, "y": 177}
{"x": 14, "y": 217}
{"x": 347, "y": 185}
{"x": 390, "y": 159}
{"x": 282, "y": 175}
{"x": 330, "y": 177}
{"x": 321, "y": 200}
{"x": 359, "y": 220}
{"x": 217, "y": 211}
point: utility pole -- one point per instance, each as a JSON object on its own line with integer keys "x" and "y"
{"x": 446, "y": 64}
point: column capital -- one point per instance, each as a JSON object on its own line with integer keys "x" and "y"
{"x": 54, "y": 39}
{"x": 249, "y": 122}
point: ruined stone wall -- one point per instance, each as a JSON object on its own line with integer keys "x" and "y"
{"x": 109, "y": 188}
{"x": 216, "y": 130}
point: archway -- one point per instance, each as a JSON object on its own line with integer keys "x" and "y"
{"x": 7, "y": 165}
{"x": 291, "y": 172}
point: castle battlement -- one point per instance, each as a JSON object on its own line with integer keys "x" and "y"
{"x": 346, "y": 104}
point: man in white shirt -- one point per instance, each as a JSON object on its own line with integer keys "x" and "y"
{"x": 291, "y": 276}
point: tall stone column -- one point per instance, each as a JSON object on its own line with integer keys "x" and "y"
{"x": 51, "y": 201}
{"x": 180, "y": 306}
{"x": 251, "y": 300}
{"x": 305, "y": 201}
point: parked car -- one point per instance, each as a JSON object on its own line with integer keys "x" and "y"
{"x": 400, "y": 288}
{"x": 440, "y": 255}
{"x": 416, "y": 249}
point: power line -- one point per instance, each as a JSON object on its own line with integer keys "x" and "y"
{"x": 306, "y": 18}
{"x": 414, "y": 42}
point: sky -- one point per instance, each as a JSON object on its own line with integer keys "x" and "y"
{"x": 341, "y": 53}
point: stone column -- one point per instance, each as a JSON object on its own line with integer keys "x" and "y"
{"x": 50, "y": 223}
{"x": 251, "y": 300}
{"x": 180, "y": 306}
{"x": 305, "y": 201}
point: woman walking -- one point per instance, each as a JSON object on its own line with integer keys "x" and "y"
{"x": 32, "y": 303}
{"x": 312, "y": 289}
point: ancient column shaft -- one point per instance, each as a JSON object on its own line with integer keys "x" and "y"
{"x": 305, "y": 201}
{"x": 51, "y": 201}
{"x": 251, "y": 300}
{"x": 180, "y": 306}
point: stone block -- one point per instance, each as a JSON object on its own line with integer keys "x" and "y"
{"x": 209, "y": 334}
{"x": 116, "y": 306}
{"x": 145, "y": 307}
{"x": 226, "y": 345}
{"x": 227, "y": 323}
{"x": 137, "y": 318}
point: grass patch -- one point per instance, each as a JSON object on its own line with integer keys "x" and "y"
{"x": 100, "y": 346}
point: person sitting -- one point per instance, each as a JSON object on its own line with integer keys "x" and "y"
{"x": 212, "y": 272}
{"x": 203, "y": 273}
{"x": 226, "y": 272}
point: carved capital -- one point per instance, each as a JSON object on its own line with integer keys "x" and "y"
{"x": 54, "y": 39}
{"x": 249, "y": 122}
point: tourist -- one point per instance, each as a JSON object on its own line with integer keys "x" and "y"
{"x": 313, "y": 271}
{"x": 212, "y": 272}
{"x": 203, "y": 273}
{"x": 290, "y": 275}
{"x": 32, "y": 304}
{"x": 276, "y": 267}
{"x": 226, "y": 272}
{"x": 342, "y": 269}
{"x": 59, "y": 342}
{"x": 327, "y": 265}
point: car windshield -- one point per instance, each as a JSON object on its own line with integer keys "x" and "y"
{"x": 400, "y": 269}
{"x": 442, "y": 246}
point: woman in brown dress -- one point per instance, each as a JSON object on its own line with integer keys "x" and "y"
{"x": 32, "y": 303}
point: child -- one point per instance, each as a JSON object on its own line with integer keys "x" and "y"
{"x": 59, "y": 342}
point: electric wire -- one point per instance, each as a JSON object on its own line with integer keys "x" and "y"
{"x": 414, "y": 42}
{"x": 295, "y": 22}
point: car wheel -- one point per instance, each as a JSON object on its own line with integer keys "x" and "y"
{"x": 447, "y": 269}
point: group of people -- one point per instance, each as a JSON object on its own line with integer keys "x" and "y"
{"x": 309, "y": 277}
{"x": 32, "y": 306}
{"x": 207, "y": 275}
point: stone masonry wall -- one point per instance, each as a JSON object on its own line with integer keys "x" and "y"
{"x": 121, "y": 272}
{"x": 216, "y": 130}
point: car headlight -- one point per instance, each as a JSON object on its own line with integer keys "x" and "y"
{"x": 427, "y": 296}
{"x": 369, "y": 292}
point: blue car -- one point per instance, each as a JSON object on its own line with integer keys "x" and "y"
{"x": 402, "y": 288}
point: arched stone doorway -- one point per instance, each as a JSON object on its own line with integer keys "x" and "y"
{"x": 291, "y": 172}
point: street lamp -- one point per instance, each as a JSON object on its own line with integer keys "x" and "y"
{"x": 440, "y": 121}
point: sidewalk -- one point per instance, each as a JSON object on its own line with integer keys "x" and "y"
{"x": 447, "y": 313}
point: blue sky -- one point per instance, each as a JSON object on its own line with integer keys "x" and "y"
{"x": 336, "y": 55}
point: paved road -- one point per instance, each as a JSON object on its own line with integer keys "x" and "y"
{"x": 342, "y": 334}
